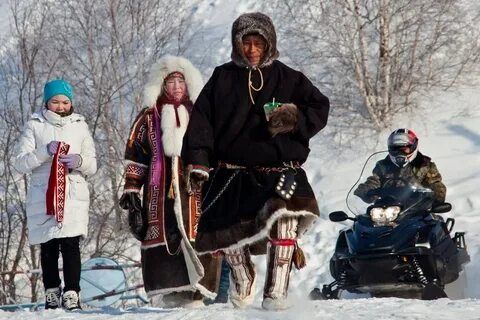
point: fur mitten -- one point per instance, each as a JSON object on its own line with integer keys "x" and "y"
{"x": 283, "y": 119}
{"x": 195, "y": 178}
{"x": 137, "y": 220}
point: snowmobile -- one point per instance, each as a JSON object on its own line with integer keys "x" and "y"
{"x": 400, "y": 247}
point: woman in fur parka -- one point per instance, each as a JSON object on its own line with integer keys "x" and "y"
{"x": 165, "y": 221}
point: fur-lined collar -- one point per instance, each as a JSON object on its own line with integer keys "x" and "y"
{"x": 162, "y": 68}
{"x": 172, "y": 136}
{"x": 249, "y": 23}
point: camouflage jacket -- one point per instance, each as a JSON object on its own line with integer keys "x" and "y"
{"x": 421, "y": 171}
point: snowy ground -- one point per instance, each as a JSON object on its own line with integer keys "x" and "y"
{"x": 452, "y": 139}
{"x": 449, "y": 132}
{"x": 360, "y": 309}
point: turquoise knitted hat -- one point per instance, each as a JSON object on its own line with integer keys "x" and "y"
{"x": 55, "y": 87}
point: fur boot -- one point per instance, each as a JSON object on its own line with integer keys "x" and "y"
{"x": 279, "y": 263}
{"x": 242, "y": 277}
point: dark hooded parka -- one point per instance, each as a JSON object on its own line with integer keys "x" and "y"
{"x": 229, "y": 126}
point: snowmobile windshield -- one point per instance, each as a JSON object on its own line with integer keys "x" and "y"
{"x": 356, "y": 204}
{"x": 410, "y": 198}
{"x": 374, "y": 184}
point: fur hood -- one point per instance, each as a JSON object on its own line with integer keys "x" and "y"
{"x": 162, "y": 68}
{"x": 249, "y": 23}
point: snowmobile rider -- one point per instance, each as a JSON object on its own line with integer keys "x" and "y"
{"x": 258, "y": 191}
{"x": 404, "y": 161}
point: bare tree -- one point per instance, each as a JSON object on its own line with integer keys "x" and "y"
{"x": 20, "y": 90}
{"x": 115, "y": 43}
{"x": 376, "y": 56}
{"x": 104, "y": 48}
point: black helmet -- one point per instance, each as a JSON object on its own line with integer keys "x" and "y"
{"x": 402, "y": 146}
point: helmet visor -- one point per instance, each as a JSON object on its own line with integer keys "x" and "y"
{"x": 400, "y": 150}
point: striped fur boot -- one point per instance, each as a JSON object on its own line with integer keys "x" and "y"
{"x": 242, "y": 277}
{"x": 280, "y": 252}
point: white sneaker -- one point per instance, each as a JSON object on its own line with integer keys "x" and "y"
{"x": 52, "y": 298}
{"x": 70, "y": 300}
{"x": 277, "y": 304}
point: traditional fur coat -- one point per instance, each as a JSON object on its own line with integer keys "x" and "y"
{"x": 229, "y": 125}
{"x": 153, "y": 160}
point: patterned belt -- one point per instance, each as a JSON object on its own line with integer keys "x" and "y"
{"x": 285, "y": 166}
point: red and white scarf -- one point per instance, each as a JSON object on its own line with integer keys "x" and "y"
{"x": 57, "y": 185}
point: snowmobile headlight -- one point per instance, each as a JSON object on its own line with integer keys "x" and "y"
{"x": 384, "y": 216}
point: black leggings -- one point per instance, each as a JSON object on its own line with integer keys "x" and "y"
{"x": 49, "y": 253}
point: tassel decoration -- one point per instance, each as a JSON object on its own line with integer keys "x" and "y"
{"x": 299, "y": 259}
{"x": 171, "y": 191}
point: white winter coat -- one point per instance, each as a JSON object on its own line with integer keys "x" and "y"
{"x": 32, "y": 156}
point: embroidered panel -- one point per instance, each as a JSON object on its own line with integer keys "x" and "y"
{"x": 135, "y": 171}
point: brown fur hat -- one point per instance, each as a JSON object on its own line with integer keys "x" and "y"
{"x": 254, "y": 23}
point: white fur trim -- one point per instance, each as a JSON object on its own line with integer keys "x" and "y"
{"x": 195, "y": 271}
{"x": 194, "y": 266}
{"x": 172, "y": 136}
{"x": 202, "y": 172}
{"x": 264, "y": 233}
{"x": 204, "y": 291}
{"x": 169, "y": 290}
{"x": 162, "y": 68}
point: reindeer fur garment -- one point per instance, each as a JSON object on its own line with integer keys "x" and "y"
{"x": 169, "y": 262}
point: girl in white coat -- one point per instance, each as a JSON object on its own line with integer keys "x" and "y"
{"x": 47, "y": 130}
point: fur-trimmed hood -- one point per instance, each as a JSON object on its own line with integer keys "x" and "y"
{"x": 162, "y": 68}
{"x": 249, "y": 23}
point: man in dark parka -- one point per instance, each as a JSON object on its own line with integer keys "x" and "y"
{"x": 243, "y": 155}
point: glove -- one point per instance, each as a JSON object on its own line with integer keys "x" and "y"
{"x": 137, "y": 221}
{"x": 195, "y": 179}
{"x": 372, "y": 195}
{"x": 283, "y": 119}
{"x": 52, "y": 147}
{"x": 72, "y": 161}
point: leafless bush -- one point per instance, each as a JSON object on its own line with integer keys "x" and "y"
{"x": 375, "y": 57}
{"x": 104, "y": 48}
